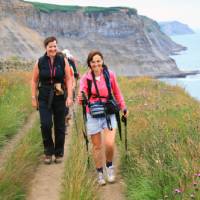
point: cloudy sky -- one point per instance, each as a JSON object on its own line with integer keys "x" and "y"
{"x": 185, "y": 11}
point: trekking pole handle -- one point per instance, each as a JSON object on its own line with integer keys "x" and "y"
{"x": 84, "y": 97}
{"x": 124, "y": 119}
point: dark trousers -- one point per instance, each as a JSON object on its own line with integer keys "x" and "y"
{"x": 54, "y": 115}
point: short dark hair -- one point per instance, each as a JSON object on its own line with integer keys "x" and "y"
{"x": 49, "y": 39}
{"x": 92, "y": 54}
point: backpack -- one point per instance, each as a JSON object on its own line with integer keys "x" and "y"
{"x": 72, "y": 64}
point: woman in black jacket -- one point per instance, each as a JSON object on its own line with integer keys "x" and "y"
{"x": 52, "y": 81}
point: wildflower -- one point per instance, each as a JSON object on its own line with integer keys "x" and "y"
{"x": 178, "y": 191}
{"x": 197, "y": 175}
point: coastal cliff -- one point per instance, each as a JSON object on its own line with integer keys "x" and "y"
{"x": 132, "y": 44}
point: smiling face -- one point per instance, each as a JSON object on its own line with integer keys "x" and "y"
{"x": 96, "y": 64}
{"x": 51, "y": 48}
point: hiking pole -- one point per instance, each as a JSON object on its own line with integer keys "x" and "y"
{"x": 117, "y": 115}
{"x": 84, "y": 130}
{"x": 124, "y": 120}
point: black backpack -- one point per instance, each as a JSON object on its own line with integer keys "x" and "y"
{"x": 72, "y": 64}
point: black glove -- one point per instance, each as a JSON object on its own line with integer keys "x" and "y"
{"x": 123, "y": 116}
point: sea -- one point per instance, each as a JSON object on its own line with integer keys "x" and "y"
{"x": 188, "y": 60}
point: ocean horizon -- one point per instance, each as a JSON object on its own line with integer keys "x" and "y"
{"x": 188, "y": 60}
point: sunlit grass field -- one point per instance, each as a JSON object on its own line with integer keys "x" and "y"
{"x": 162, "y": 161}
{"x": 15, "y": 107}
{"x": 15, "y": 103}
{"x": 20, "y": 166}
{"x": 163, "y": 139}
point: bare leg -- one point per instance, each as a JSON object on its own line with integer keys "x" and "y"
{"x": 97, "y": 150}
{"x": 109, "y": 144}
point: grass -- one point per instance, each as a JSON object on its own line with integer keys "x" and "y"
{"x": 108, "y": 10}
{"x": 78, "y": 182}
{"x": 164, "y": 142}
{"x": 20, "y": 166}
{"x": 14, "y": 63}
{"x": 45, "y": 7}
{"x": 15, "y": 103}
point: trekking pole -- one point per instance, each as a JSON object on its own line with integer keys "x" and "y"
{"x": 84, "y": 130}
{"x": 117, "y": 115}
{"x": 124, "y": 120}
{"x": 76, "y": 75}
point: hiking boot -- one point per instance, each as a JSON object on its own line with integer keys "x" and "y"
{"x": 47, "y": 160}
{"x": 100, "y": 179}
{"x": 110, "y": 174}
{"x": 58, "y": 159}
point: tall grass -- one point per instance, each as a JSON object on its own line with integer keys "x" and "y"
{"x": 20, "y": 166}
{"x": 78, "y": 182}
{"x": 164, "y": 142}
{"x": 15, "y": 103}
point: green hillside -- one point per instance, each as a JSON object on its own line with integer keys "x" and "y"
{"x": 44, "y": 7}
{"x": 164, "y": 144}
{"x": 162, "y": 161}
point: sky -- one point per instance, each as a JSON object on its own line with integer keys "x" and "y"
{"x": 185, "y": 11}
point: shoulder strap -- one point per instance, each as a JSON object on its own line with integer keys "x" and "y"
{"x": 108, "y": 84}
{"x": 89, "y": 83}
{"x": 107, "y": 79}
{"x": 95, "y": 84}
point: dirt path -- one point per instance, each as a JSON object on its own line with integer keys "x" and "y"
{"x": 46, "y": 184}
{"x": 113, "y": 191}
{"x": 10, "y": 146}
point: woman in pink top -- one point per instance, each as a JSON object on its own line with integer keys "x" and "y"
{"x": 96, "y": 126}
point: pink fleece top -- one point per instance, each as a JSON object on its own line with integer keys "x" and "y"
{"x": 103, "y": 90}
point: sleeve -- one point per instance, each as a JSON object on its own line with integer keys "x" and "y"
{"x": 116, "y": 91}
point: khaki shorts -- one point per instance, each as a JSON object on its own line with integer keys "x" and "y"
{"x": 96, "y": 125}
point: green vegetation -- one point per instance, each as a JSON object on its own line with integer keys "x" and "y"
{"x": 78, "y": 182}
{"x": 45, "y": 7}
{"x": 105, "y": 10}
{"x": 164, "y": 143}
{"x": 15, "y": 103}
{"x": 15, "y": 63}
{"x": 20, "y": 166}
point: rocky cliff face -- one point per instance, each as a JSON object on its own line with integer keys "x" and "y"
{"x": 132, "y": 44}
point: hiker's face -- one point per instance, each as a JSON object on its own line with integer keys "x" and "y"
{"x": 96, "y": 64}
{"x": 51, "y": 49}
